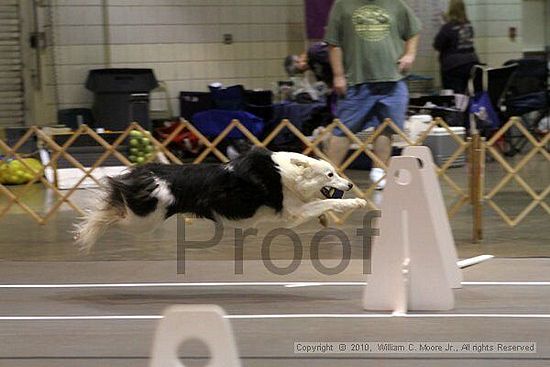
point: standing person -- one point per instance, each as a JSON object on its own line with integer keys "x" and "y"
{"x": 372, "y": 44}
{"x": 455, "y": 43}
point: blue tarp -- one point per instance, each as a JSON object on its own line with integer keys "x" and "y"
{"x": 212, "y": 122}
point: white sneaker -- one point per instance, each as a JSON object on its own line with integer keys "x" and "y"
{"x": 376, "y": 175}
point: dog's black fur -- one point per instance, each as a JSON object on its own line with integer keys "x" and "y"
{"x": 234, "y": 190}
{"x": 259, "y": 186}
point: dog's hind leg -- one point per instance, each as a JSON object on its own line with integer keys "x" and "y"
{"x": 135, "y": 202}
{"x": 94, "y": 225}
{"x": 111, "y": 209}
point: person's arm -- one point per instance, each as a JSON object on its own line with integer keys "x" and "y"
{"x": 440, "y": 41}
{"x": 337, "y": 64}
{"x": 406, "y": 61}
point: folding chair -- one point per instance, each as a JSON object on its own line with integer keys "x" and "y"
{"x": 527, "y": 97}
{"x": 499, "y": 81}
{"x": 496, "y": 81}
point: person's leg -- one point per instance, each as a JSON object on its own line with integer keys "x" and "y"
{"x": 351, "y": 110}
{"x": 375, "y": 117}
{"x": 392, "y": 106}
{"x": 337, "y": 149}
{"x": 447, "y": 80}
{"x": 463, "y": 74}
{"x": 382, "y": 149}
{"x": 457, "y": 78}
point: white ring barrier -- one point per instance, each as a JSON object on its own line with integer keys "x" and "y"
{"x": 413, "y": 267}
{"x": 204, "y": 323}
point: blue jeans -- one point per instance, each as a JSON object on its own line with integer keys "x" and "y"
{"x": 368, "y": 104}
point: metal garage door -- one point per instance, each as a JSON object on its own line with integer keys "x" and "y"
{"x": 11, "y": 80}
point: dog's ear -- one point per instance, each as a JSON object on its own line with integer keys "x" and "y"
{"x": 299, "y": 163}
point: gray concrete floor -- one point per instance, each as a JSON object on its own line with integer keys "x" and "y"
{"x": 261, "y": 342}
{"x": 34, "y": 254}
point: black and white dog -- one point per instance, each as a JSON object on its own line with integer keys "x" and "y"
{"x": 287, "y": 188}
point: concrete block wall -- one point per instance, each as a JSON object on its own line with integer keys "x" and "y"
{"x": 182, "y": 41}
{"x": 491, "y": 20}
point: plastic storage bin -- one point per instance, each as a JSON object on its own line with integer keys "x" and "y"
{"x": 443, "y": 145}
{"x": 194, "y": 102}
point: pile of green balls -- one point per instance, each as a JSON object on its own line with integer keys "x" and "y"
{"x": 14, "y": 172}
{"x": 141, "y": 147}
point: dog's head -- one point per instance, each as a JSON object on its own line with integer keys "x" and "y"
{"x": 311, "y": 178}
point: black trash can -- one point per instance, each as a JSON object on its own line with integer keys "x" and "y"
{"x": 121, "y": 96}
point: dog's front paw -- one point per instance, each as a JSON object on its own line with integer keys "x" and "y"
{"x": 358, "y": 203}
{"x": 349, "y": 204}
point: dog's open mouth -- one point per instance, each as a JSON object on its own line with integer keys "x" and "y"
{"x": 332, "y": 192}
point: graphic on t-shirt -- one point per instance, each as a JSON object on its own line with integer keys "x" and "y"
{"x": 465, "y": 37}
{"x": 372, "y": 23}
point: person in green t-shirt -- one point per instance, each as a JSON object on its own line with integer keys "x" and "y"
{"x": 372, "y": 44}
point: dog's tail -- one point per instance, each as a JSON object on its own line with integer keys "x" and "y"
{"x": 111, "y": 208}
